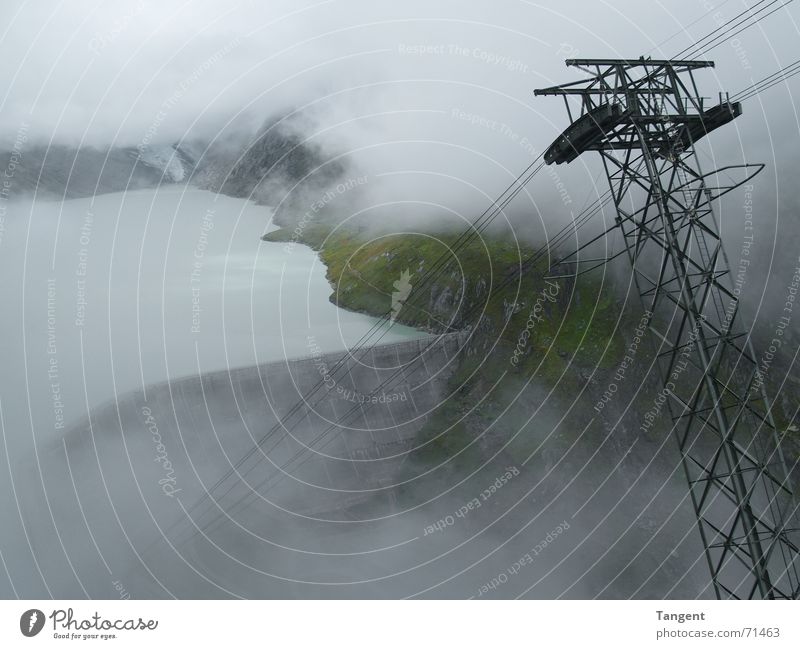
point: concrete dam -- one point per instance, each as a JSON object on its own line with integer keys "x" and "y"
{"x": 288, "y": 484}
{"x": 335, "y": 503}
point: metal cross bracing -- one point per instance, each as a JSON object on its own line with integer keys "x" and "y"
{"x": 643, "y": 116}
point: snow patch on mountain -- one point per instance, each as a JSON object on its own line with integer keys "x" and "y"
{"x": 166, "y": 159}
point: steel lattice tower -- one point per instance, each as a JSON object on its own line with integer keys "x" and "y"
{"x": 643, "y": 117}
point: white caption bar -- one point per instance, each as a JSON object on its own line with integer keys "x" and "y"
{"x": 389, "y": 624}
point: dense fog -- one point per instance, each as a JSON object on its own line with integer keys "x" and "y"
{"x": 152, "y": 342}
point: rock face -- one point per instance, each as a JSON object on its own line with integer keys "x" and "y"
{"x": 278, "y": 166}
{"x": 60, "y": 172}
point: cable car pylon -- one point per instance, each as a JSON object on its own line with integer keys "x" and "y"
{"x": 643, "y": 116}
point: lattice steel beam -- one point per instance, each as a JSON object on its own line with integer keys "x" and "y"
{"x": 643, "y": 117}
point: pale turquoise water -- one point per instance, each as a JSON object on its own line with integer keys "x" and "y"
{"x": 104, "y": 295}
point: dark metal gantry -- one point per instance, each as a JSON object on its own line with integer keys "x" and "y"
{"x": 643, "y": 116}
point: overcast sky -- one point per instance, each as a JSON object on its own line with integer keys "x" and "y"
{"x": 443, "y": 88}
{"x": 102, "y": 72}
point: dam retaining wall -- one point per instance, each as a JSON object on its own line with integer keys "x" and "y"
{"x": 242, "y": 452}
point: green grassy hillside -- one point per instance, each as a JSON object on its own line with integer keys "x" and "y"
{"x": 570, "y": 319}
{"x": 552, "y": 331}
